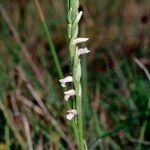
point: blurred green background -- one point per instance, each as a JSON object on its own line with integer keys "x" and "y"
{"x": 116, "y": 91}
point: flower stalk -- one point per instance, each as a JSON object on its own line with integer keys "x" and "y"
{"x": 75, "y": 113}
{"x": 74, "y": 17}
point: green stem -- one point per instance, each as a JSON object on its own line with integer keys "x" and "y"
{"x": 53, "y": 50}
{"x": 73, "y": 20}
{"x": 80, "y": 124}
{"x": 143, "y": 128}
{"x": 7, "y": 137}
{"x": 141, "y": 138}
{"x": 50, "y": 42}
{"x": 75, "y": 129}
{"x": 79, "y": 116}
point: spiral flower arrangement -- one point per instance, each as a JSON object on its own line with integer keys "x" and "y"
{"x": 74, "y": 16}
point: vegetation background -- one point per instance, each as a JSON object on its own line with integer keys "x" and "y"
{"x": 116, "y": 90}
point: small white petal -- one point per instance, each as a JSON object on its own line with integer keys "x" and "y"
{"x": 65, "y": 80}
{"x": 83, "y": 51}
{"x": 66, "y": 97}
{"x": 79, "y": 16}
{"x": 63, "y": 85}
{"x": 74, "y": 111}
{"x": 80, "y": 40}
{"x": 68, "y": 94}
{"x": 71, "y": 114}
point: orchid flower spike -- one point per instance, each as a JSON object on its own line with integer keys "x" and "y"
{"x": 71, "y": 114}
{"x": 68, "y": 94}
{"x": 81, "y": 51}
{"x": 65, "y": 80}
{"x": 80, "y": 40}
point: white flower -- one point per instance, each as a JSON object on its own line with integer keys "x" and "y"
{"x": 79, "y": 16}
{"x": 80, "y": 40}
{"x": 65, "y": 80}
{"x": 68, "y": 94}
{"x": 81, "y": 51}
{"x": 71, "y": 114}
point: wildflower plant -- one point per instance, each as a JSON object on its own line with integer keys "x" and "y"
{"x": 75, "y": 113}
